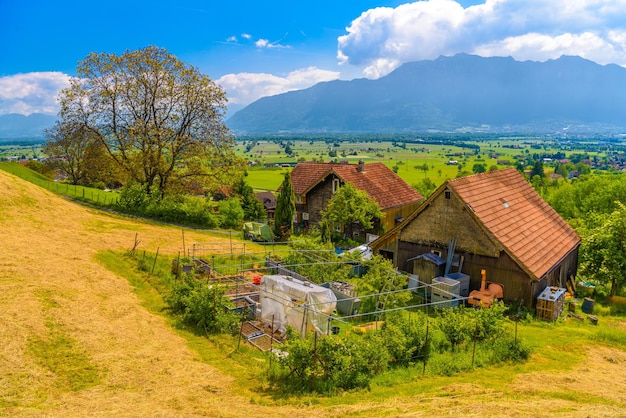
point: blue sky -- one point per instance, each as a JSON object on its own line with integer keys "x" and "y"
{"x": 253, "y": 49}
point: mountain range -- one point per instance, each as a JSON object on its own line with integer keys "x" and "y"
{"x": 460, "y": 93}
{"x": 13, "y": 125}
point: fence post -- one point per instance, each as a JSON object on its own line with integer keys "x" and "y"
{"x": 155, "y": 260}
{"x": 474, "y": 349}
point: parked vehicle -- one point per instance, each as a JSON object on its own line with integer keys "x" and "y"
{"x": 258, "y": 231}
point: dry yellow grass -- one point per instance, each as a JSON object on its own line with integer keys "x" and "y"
{"x": 51, "y": 283}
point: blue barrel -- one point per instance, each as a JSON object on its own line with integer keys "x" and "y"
{"x": 588, "y": 304}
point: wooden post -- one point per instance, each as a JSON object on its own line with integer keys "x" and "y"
{"x": 155, "y": 260}
{"x": 183, "y": 241}
{"x": 427, "y": 349}
{"x": 314, "y": 361}
{"x": 474, "y": 349}
{"x": 271, "y": 339}
{"x": 241, "y": 328}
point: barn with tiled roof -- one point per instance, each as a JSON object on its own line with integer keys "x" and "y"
{"x": 315, "y": 183}
{"x": 497, "y": 223}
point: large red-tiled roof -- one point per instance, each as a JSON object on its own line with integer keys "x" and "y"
{"x": 382, "y": 184}
{"x": 527, "y": 227}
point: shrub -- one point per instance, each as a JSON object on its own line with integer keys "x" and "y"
{"x": 201, "y": 306}
{"x": 134, "y": 198}
{"x": 179, "y": 209}
{"x": 334, "y": 363}
{"x": 489, "y": 322}
{"x": 455, "y": 325}
{"x": 405, "y": 339}
{"x": 506, "y": 348}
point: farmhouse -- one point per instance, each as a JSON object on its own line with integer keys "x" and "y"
{"x": 315, "y": 183}
{"x": 269, "y": 202}
{"x": 498, "y": 223}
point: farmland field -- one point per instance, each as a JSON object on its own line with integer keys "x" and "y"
{"x": 82, "y": 335}
{"x": 413, "y": 161}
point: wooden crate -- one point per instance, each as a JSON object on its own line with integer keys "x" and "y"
{"x": 550, "y": 303}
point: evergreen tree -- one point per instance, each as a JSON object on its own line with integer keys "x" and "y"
{"x": 537, "y": 170}
{"x": 253, "y": 209}
{"x": 285, "y": 209}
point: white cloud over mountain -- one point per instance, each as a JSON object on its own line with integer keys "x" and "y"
{"x": 244, "y": 88}
{"x": 31, "y": 92}
{"x": 383, "y": 38}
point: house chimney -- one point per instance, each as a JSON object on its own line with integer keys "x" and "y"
{"x": 361, "y": 167}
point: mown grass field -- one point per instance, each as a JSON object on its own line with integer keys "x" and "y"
{"x": 85, "y": 334}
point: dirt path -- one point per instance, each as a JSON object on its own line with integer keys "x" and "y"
{"x": 49, "y": 279}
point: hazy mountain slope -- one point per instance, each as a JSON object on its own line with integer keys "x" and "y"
{"x": 449, "y": 93}
{"x": 13, "y": 125}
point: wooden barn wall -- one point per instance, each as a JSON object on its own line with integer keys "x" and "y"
{"x": 558, "y": 276}
{"x": 444, "y": 219}
{"x": 502, "y": 269}
{"x": 569, "y": 267}
{"x": 392, "y": 214}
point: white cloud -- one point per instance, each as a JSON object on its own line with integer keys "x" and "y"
{"x": 381, "y": 39}
{"x": 262, "y": 43}
{"x": 245, "y": 88}
{"x": 31, "y": 92}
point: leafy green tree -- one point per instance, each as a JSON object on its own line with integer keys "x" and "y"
{"x": 231, "y": 213}
{"x": 425, "y": 186}
{"x": 41, "y": 168}
{"x": 253, "y": 209}
{"x": 285, "y": 209}
{"x": 381, "y": 278}
{"x": 159, "y": 119}
{"x": 562, "y": 170}
{"x": 479, "y": 168}
{"x": 603, "y": 249}
{"x": 588, "y": 194}
{"x": 350, "y": 205}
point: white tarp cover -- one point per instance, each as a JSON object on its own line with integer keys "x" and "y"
{"x": 288, "y": 301}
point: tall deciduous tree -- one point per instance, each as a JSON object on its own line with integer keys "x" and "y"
{"x": 603, "y": 249}
{"x": 350, "y": 205}
{"x": 159, "y": 119}
{"x": 285, "y": 209}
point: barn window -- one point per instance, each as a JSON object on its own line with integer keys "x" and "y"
{"x": 336, "y": 185}
{"x": 447, "y": 194}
